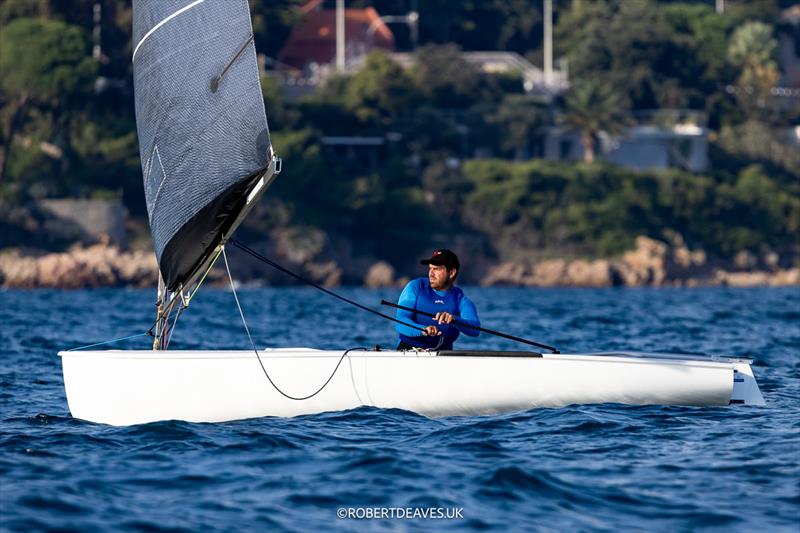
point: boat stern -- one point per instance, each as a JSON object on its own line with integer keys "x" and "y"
{"x": 745, "y": 386}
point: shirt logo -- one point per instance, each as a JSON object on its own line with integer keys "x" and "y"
{"x": 438, "y": 301}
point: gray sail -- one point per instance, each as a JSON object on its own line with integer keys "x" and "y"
{"x": 203, "y": 135}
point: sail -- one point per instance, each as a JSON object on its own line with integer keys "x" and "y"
{"x": 203, "y": 135}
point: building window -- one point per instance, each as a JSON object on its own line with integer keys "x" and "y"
{"x": 565, "y": 149}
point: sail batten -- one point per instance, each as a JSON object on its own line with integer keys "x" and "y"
{"x": 164, "y": 21}
{"x": 201, "y": 149}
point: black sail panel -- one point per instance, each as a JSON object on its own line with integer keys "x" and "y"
{"x": 203, "y": 139}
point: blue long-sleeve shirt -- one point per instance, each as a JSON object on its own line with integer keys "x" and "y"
{"x": 419, "y": 295}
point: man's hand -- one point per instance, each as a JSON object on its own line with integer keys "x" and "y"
{"x": 431, "y": 331}
{"x": 443, "y": 318}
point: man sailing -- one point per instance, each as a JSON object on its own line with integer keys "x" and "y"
{"x": 437, "y": 295}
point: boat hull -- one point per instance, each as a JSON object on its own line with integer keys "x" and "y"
{"x": 132, "y": 387}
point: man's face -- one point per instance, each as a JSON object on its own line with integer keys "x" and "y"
{"x": 440, "y": 277}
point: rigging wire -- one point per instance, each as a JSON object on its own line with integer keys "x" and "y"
{"x": 185, "y": 303}
{"x": 148, "y": 333}
{"x": 174, "y": 323}
{"x": 164, "y": 332}
{"x": 255, "y": 350}
{"x": 108, "y": 342}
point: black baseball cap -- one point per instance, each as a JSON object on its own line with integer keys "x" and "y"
{"x": 443, "y": 257}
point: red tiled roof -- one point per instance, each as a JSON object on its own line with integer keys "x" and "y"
{"x": 310, "y": 6}
{"x": 315, "y": 39}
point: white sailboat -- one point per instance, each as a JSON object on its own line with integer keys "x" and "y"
{"x": 132, "y": 387}
{"x": 206, "y": 159}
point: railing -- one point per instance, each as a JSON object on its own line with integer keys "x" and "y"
{"x": 670, "y": 118}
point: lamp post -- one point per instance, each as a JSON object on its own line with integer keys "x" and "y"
{"x": 411, "y": 18}
{"x": 97, "y": 17}
{"x": 340, "y": 42}
{"x": 548, "y": 43}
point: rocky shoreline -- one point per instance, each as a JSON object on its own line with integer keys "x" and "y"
{"x": 99, "y": 265}
{"x": 651, "y": 264}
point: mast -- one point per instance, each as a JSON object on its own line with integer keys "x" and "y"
{"x": 159, "y": 313}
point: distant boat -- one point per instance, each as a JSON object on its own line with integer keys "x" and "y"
{"x": 206, "y": 159}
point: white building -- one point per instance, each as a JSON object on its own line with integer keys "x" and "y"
{"x": 655, "y": 143}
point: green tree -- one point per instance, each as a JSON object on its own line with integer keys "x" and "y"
{"x": 446, "y": 79}
{"x": 706, "y": 33}
{"x": 737, "y": 147}
{"x": 753, "y": 45}
{"x": 381, "y": 91}
{"x": 592, "y": 107}
{"x": 703, "y": 34}
{"x": 486, "y": 25}
{"x": 12, "y": 9}
{"x": 300, "y": 183}
{"x": 570, "y": 209}
{"x": 625, "y": 44}
{"x": 752, "y": 50}
{"x": 272, "y": 22}
{"x": 43, "y": 63}
{"x": 519, "y": 121}
{"x": 278, "y": 115}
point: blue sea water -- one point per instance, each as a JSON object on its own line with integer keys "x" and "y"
{"x": 580, "y": 468}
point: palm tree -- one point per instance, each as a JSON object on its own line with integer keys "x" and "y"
{"x": 752, "y": 49}
{"x": 592, "y": 107}
{"x": 753, "y": 45}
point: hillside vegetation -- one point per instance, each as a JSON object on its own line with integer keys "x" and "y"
{"x": 67, "y": 129}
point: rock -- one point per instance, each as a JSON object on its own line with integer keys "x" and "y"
{"x": 645, "y": 265}
{"x": 772, "y": 260}
{"x": 742, "y": 279}
{"x": 18, "y": 271}
{"x": 298, "y": 244}
{"x": 381, "y": 274}
{"x": 550, "y": 273}
{"x": 744, "y": 260}
{"x": 784, "y": 278}
{"x": 93, "y": 266}
{"x": 138, "y": 268}
{"x": 682, "y": 256}
{"x": 581, "y": 273}
{"x": 506, "y": 273}
{"x": 698, "y": 258}
{"x": 759, "y": 278}
{"x": 327, "y": 274}
{"x": 330, "y": 261}
{"x": 694, "y": 282}
{"x": 651, "y": 263}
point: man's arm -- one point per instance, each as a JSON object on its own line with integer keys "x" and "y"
{"x": 469, "y": 317}
{"x": 408, "y": 298}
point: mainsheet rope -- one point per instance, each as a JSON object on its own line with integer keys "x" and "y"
{"x": 288, "y": 272}
{"x": 275, "y": 265}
